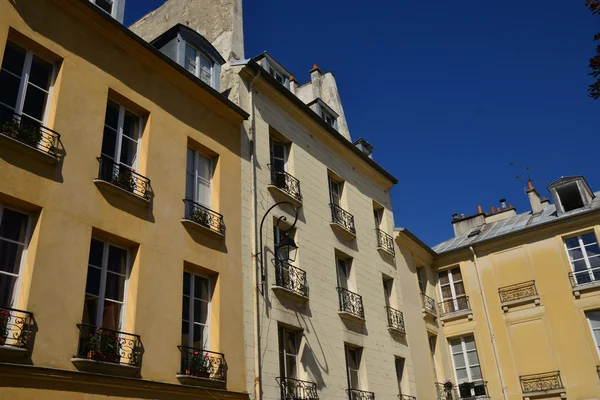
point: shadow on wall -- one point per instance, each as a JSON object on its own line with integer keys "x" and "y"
{"x": 310, "y": 356}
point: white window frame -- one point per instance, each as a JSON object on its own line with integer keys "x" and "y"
{"x": 200, "y": 54}
{"x": 328, "y": 116}
{"x": 464, "y": 352}
{"x": 116, "y": 156}
{"x": 451, "y": 283}
{"x": 343, "y": 282}
{"x": 592, "y": 329}
{"x": 211, "y": 171}
{"x": 190, "y": 316}
{"x": 284, "y": 147}
{"x": 586, "y": 257}
{"x": 333, "y": 193}
{"x": 18, "y": 283}
{"x": 284, "y": 354}
{"x": 117, "y": 9}
{"x": 358, "y": 353}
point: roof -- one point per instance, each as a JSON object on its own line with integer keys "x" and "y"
{"x": 190, "y": 36}
{"x": 518, "y": 223}
{"x": 278, "y": 64}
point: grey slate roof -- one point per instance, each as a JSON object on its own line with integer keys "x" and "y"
{"x": 511, "y": 225}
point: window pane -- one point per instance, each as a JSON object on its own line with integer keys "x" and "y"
{"x": 189, "y": 186}
{"x": 115, "y": 286}
{"x": 456, "y": 276}
{"x": 476, "y": 373}
{"x": 290, "y": 367}
{"x": 278, "y": 150}
{"x": 594, "y": 318}
{"x": 131, "y": 125}
{"x": 13, "y": 225}
{"x": 459, "y": 360}
{"x": 459, "y": 289}
{"x": 579, "y": 265}
{"x": 112, "y": 115}
{"x": 14, "y": 58}
{"x": 443, "y": 278}
{"x": 592, "y": 250}
{"x": 105, "y": 5}
{"x": 588, "y": 238}
{"x": 572, "y": 242}
{"x": 201, "y": 288}
{"x": 354, "y": 381}
{"x": 35, "y": 103}
{"x": 290, "y": 344}
{"x": 10, "y": 256}
{"x": 200, "y": 312}
{"x": 109, "y": 141}
{"x": 96, "y": 253}
{"x": 461, "y": 374}
{"x": 92, "y": 285}
{"x": 472, "y": 357}
{"x": 352, "y": 359}
{"x": 7, "y": 287}
{"x": 190, "y": 59}
{"x": 576, "y": 254}
{"x": 199, "y": 339}
{"x": 594, "y": 262}
{"x": 40, "y": 73}
{"x": 10, "y": 90}
{"x": 185, "y": 329}
{"x": 186, "y": 283}
{"x": 90, "y": 310}
{"x": 455, "y": 346}
{"x": 446, "y": 292}
{"x": 117, "y": 260}
{"x": 470, "y": 343}
{"x": 185, "y": 308}
{"x": 111, "y": 317}
{"x": 128, "y": 151}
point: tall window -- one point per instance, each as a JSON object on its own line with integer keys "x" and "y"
{"x": 453, "y": 291}
{"x": 465, "y": 359}
{"x": 106, "y": 285}
{"x": 25, "y": 79}
{"x": 122, "y": 131}
{"x": 594, "y": 321}
{"x": 377, "y": 217}
{"x": 278, "y": 156}
{"x": 399, "y": 372}
{"x": 335, "y": 192}
{"x": 387, "y": 290}
{"x": 288, "y": 351}
{"x": 13, "y": 236}
{"x": 584, "y": 255}
{"x": 421, "y": 280}
{"x": 199, "y": 178}
{"x": 198, "y": 64}
{"x": 343, "y": 273}
{"x": 353, "y": 356}
{"x": 432, "y": 345}
{"x": 195, "y": 329}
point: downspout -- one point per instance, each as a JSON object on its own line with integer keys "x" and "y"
{"x": 489, "y": 325}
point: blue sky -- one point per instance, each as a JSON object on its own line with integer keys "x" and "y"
{"x": 449, "y": 93}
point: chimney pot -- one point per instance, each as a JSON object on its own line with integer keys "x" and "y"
{"x": 503, "y": 203}
{"x": 462, "y": 215}
{"x": 479, "y": 210}
{"x": 529, "y": 185}
{"x": 454, "y": 217}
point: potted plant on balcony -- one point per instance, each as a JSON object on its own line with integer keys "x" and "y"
{"x": 201, "y": 216}
{"x": 448, "y": 386}
{"x": 4, "y": 318}
{"x": 199, "y": 365}
{"x": 124, "y": 179}
{"x": 110, "y": 347}
{"x": 30, "y": 135}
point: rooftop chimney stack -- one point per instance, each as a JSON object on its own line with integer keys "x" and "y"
{"x": 534, "y": 199}
{"x": 315, "y": 78}
{"x": 293, "y": 84}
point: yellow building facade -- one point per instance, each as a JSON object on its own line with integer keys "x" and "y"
{"x": 120, "y": 215}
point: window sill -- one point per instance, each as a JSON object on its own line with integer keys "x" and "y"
{"x": 427, "y": 312}
{"x": 386, "y": 252}
{"x": 117, "y": 191}
{"x": 351, "y": 317}
{"x": 577, "y": 289}
{"x": 188, "y": 223}
{"x": 33, "y": 152}
{"x": 199, "y": 381}
{"x": 530, "y": 299}
{"x": 545, "y": 393}
{"x": 396, "y": 331}
{"x": 457, "y": 315}
{"x": 289, "y": 293}
{"x": 277, "y": 192}
{"x": 342, "y": 231}
{"x": 103, "y": 367}
{"x": 14, "y": 354}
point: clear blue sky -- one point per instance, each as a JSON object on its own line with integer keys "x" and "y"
{"x": 449, "y": 93}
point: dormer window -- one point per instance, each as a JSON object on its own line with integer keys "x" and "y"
{"x": 198, "y": 64}
{"x": 114, "y": 8}
{"x": 277, "y": 76}
{"x": 324, "y": 111}
{"x": 569, "y": 196}
{"x": 571, "y": 193}
{"x": 274, "y": 68}
{"x": 328, "y": 118}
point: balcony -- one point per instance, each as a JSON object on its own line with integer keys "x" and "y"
{"x": 464, "y": 390}
{"x": 406, "y": 397}
{"x": 16, "y": 332}
{"x": 521, "y": 293}
{"x": 428, "y": 305}
{"x": 342, "y": 221}
{"x": 587, "y": 279}
{"x": 351, "y": 305}
{"x": 203, "y": 219}
{"x": 542, "y": 384}
{"x": 285, "y": 185}
{"x": 385, "y": 242}
{"x": 121, "y": 180}
{"x": 355, "y": 394}
{"x": 294, "y": 389}
{"x": 395, "y": 320}
{"x": 28, "y": 136}
{"x": 202, "y": 367}
{"x": 108, "y": 351}
{"x": 291, "y": 281}
{"x": 455, "y": 308}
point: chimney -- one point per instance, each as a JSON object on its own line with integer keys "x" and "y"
{"x": 293, "y": 84}
{"x": 315, "y": 79}
{"x": 534, "y": 199}
{"x": 464, "y": 224}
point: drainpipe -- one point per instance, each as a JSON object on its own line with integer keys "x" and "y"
{"x": 489, "y": 325}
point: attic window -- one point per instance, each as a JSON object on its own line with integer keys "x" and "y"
{"x": 275, "y": 74}
{"x": 330, "y": 119}
{"x": 570, "y": 197}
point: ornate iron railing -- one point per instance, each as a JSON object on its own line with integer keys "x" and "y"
{"x": 107, "y": 345}
{"x": 385, "y": 241}
{"x": 291, "y": 278}
{"x": 16, "y": 328}
{"x": 406, "y": 397}
{"x": 464, "y": 390}
{"x": 203, "y": 364}
{"x": 286, "y": 182}
{"x": 28, "y": 132}
{"x": 204, "y": 216}
{"x": 541, "y": 382}
{"x": 355, "y": 394}
{"x": 585, "y": 277}
{"x": 343, "y": 218}
{"x": 294, "y": 389}
{"x": 351, "y": 302}
{"x": 428, "y": 304}
{"x": 395, "y": 319}
{"x": 124, "y": 177}
{"x": 453, "y": 306}
{"x": 518, "y": 291}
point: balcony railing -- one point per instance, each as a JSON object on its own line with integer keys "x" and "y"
{"x": 343, "y": 218}
{"x": 541, "y": 382}
{"x": 351, "y": 303}
{"x": 453, "y": 306}
{"x": 204, "y": 216}
{"x": 395, "y": 319}
{"x": 355, "y": 394}
{"x": 107, "y": 345}
{"x": 294, "y": 389}
{"x": 28, "y": 132}
{"x": 123, "y": 177}
{"x": 286, "y": 182}
{"x": 464, "y": 390}
{"x": 585, "y": 277}
{"x": 517, "y": 292}
{"x": 385, "y": 241}
{"x": 204, "y": 364}
{"x": 16, "y": 328}
{"x": 406, "y": 397}
{"x": 291, "y": 278}
{"x": 428, "y": 304}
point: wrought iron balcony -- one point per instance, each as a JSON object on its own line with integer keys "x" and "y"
{"x": 541, "y": 382}
{"x": 517, "y": 292}
{"x": 342, "y": 218}
{"x": 385, "y": 241}
{"x": 291, "y": 278}
{"x": 406, "y": 397}
{"x": 123, "y": 177}
{"x": 29, "y": 132}
{"x": 204, "y": 216}
{"x": 285, "y": 182}
{"x": 355, "y": 394}
{"x": 454, "y": 306}
{"x": 204, "y": 364}
{"x": 351, "y": 303}
{"x": 464, "y": 390}
{"x": 428, "y": 304}
{"x": 109, "y": 346}
{"x": 16, "y": 328}
{"x": 395, "y": 319}
{"x": 294, "y": 389}
{"x": 585, "y": 277}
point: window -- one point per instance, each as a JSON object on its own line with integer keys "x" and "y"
{"x": 465, "y": 359}
{"x": 195, "y": 316}
{"x": 422, "y": 280}
{"x": 432, "y": 342}
{"x": 108, "y": 269}
{"x": 105, "y": 5}
{"x": 335, "y": 192}
{"x": 330, "y": 119}
{"x": 399, "y": 372}
{"x": 377, "y": 217}
{"x": 343, "y": 273}
{"x": 198, "y": 64}
{"x": 199, "y": 174}
{"x": 122, "y": 131}
{"x": 353, "y": 367}
{"x": 453, "y": 291}
{"x": 584, "y": 255}
{"x": 288, "y": 352}
{"x": 570, "y": 197}
{"x": 387, "y": 290}
{"x": 594, "y": 321}
{"x": 278, "y": 156}
{"x": 275, "y": 74}
{"x": 13, "y": 242}
{"x": 25, "y": 80}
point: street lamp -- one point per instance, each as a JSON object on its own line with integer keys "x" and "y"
{"x": 286, "y": 249}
